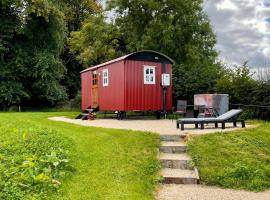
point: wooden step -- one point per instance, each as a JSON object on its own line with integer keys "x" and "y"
{"x": 173, "y": 138}
{"x": 179, "y": 176}
{"x": 173, "y": 147}
{"x": 175, "y": 161}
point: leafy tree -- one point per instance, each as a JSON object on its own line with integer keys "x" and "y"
{"x": 11, "y": 89}
{"x": 238, "y": 83}
{"x": 45, "y": 33}
{"x": 32, "y": 37}
{"x": 243, "y": 89}
{"x": 179, "y": 29}
{"x": 96, "y": 42}
{"x": 76, "y": 12}
{"x": 261, "y": 94}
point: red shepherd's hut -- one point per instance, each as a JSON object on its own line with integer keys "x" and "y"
{"x": 139, "y": 81}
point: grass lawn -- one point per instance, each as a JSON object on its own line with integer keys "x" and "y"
{"x": 109, "y": 164}
{"x": 239, "y": 159}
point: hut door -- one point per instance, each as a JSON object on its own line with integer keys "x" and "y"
{"x": 94, "y": 89}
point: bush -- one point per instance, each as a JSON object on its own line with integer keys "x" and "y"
{"x": 78, "y": 99}
{"x": 33, "y": 162}
{"x": 249, "y": 113}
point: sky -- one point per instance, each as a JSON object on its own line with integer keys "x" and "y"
{"x": 243, "y": 30}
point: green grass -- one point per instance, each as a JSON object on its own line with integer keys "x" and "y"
{"x": 109, "y": 164}
{"x": 239, "y": 159}
{"x": 32, "y": 161}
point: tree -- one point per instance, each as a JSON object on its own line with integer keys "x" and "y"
{"x": 32, "y": 40}
{"x": 179, "y": 29}
{"x": 238, "y": 83}
{"x": 97, "y": 41}
{"x": 76, "y": 12}
{"x": 11, "y": 89}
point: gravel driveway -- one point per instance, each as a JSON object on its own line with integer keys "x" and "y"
{"x": 162, "y": 127}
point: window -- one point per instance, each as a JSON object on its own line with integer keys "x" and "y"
{"x": 149, "y": 74}
{"x": 105, "y": 75}
{"x": 94, "y": 78}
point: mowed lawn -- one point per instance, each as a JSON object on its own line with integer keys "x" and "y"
{"x": 109, "y": 164}
{"x": 239, "y": 159}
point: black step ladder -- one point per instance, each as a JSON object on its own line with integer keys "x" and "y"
{"x": 87, "y": 113}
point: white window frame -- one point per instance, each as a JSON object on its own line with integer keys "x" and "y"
{"x": 149, "y": 79}
{"x": 105, "y": 77}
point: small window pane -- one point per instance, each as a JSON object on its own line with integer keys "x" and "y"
{"x": 149, "y": 75}
{"x": 105, "y": 77}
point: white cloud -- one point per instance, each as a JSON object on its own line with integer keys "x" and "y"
{"x": 242, "y": 28}
{"x": 226, "y": 5}
{"x": 266, "y": 52}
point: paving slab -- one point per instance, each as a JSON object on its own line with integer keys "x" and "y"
{"x": 173, "y": 147}
{"x": 179, "y": 176}
{"x": 174, "y": 156}
{"x": 175, "y": 161}
{"x": 172, "y": 138}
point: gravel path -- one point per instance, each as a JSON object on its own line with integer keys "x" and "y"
{"x": 158, "y": 126}
{"x": 200, "y": 192}
{"x": 175, "y": 192}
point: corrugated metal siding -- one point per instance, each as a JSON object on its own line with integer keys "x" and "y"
{"x": 111, "y": 97}
{"x": 139, "y": 96}
{"x": 86, "y": 81}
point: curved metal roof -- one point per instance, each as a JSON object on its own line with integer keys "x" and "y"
{"x": 125, "y": 57}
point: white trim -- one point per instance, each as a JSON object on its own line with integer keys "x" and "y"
{"x": 105, "y": 77}
{"x": 149, "y": 78}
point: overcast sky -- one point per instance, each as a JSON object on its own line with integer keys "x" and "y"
{"x": 243, "y": 30}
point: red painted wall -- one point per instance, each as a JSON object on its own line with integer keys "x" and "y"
{"x": 111, "y": 97}
{"x": 86, "y": 81}
{"x": 140, "y": 96}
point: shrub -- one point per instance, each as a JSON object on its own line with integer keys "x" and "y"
{"x": 78, "y": 99}
{"x": 33, "y": 162}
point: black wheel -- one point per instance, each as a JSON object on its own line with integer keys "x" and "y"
{"x": 118, "y": 115}
{"x": 121, "y": 115}
{"x": 158, "y": 114}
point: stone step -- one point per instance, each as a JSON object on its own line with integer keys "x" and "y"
{"x": 175, "y": 161}
{"x": 179, "y": 176}
{"x": 173, "y": 138}
{"x": 173, "y": 147}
